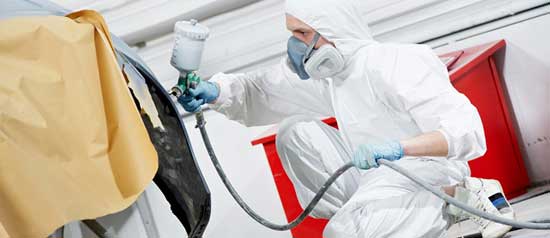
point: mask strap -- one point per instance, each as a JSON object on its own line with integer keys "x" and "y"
{"x": 311, "y": 46}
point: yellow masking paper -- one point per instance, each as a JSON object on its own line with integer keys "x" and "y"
{"x": 72, "y": 143}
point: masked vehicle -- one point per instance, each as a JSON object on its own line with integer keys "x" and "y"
{"x": 178, "y": 176}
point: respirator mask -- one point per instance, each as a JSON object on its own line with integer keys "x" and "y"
{"x": 308, "y": 62}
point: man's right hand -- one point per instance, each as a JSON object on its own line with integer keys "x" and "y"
{"x": 205, "y": 92}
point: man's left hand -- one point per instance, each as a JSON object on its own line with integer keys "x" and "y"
{"x": 367, "y": 156}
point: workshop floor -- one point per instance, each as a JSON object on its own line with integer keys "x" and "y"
{"x": 532, "y": 208}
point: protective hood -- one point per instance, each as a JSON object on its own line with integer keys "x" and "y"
{"x": 339, "y": 21}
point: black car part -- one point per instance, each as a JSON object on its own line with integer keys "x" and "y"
{"x": 178, "y": 177}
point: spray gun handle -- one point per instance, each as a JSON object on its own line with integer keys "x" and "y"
{"x": 185, "y": 82}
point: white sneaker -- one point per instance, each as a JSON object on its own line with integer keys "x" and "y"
{"x": 485, "y": 195}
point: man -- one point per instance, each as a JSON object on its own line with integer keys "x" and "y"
{"x": 391, "y": 102}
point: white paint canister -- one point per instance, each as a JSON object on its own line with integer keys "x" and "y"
{"x": 190, "y": 37}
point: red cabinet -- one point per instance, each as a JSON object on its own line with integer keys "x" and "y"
{"x": 473, "y": 73}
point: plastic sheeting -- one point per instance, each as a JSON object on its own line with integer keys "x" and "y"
{"x": 72, "y": 143}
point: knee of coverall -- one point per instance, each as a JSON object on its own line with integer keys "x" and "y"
{"x": 287, "y": 136}
{"x": 290, "y": 125}
{"x": 289, "y": 130}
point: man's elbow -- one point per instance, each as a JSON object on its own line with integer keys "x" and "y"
{"x": 467, "y": 146}
{"x": 477, "y": 146}
{"x": 481, "y": 144}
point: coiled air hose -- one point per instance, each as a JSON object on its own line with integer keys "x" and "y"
{"x": 281, "y": 227}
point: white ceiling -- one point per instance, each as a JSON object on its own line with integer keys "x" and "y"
{"x": 92, "y": 4}
{"x": 142, "y": 20}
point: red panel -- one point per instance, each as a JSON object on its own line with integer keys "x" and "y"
{"x": 520, "y": 171}
{"x": 501, "y": 160}
{"x": 472, "y": 57}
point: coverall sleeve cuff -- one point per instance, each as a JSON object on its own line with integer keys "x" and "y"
{"x": 224, "y": 87}
{"x": 449, "y": 142}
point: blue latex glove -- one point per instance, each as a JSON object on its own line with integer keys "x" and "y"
{"x": 205, "y": 92}
{"x": 367, "y": 156}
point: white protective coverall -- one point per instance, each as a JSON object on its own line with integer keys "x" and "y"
{"x": 386, "y": 92}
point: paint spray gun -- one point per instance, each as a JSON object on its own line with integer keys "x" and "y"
{"x": 190, "y": 37}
